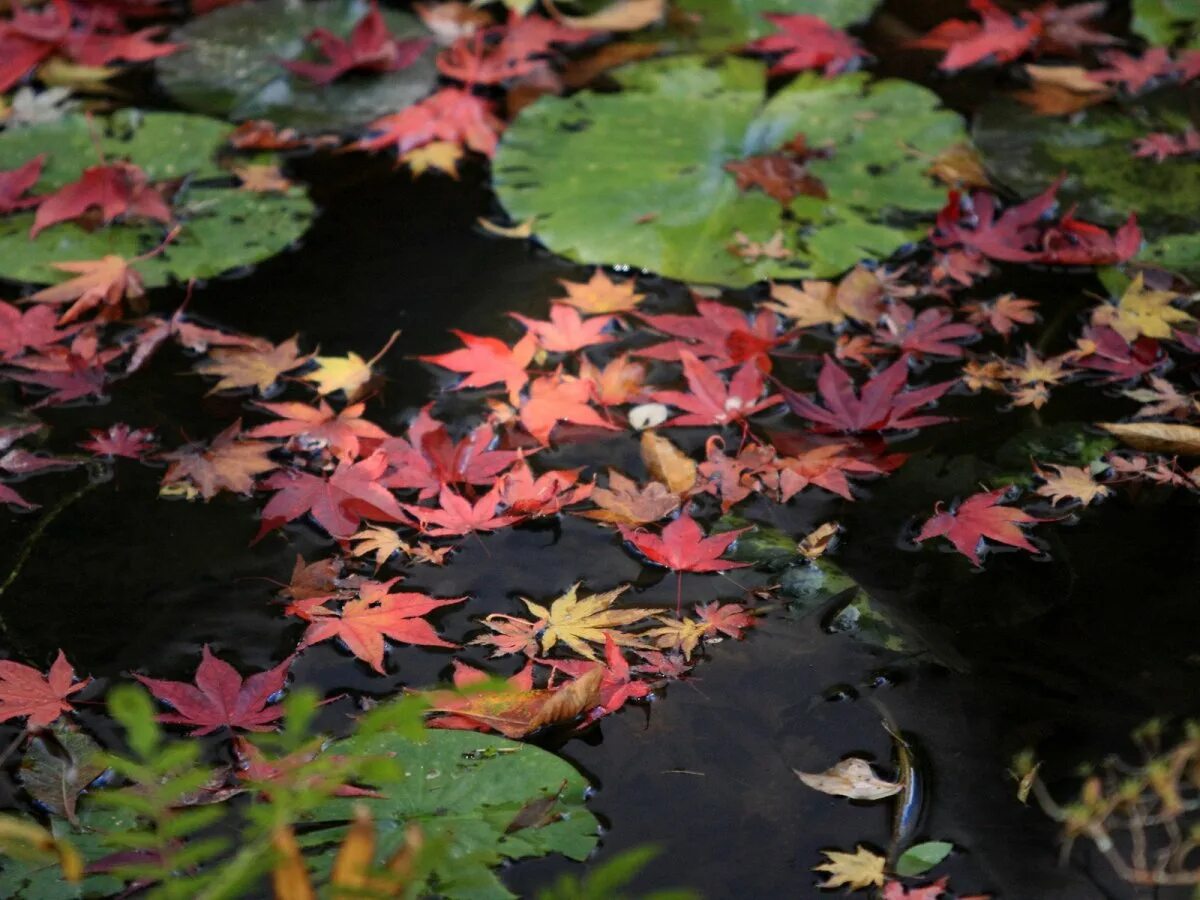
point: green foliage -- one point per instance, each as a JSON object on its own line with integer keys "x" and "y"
{"x": 230, "y": 66}
{"x": 1167, "y": 22}
{"x": 727, "y": 23}
{"x": 920, "y": 858}
{"x": 1026, "y": 152}
{"x": 638, "y": 178}
{"x": 221, "y": 228}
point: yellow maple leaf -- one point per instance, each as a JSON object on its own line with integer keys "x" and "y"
{"x": 1070, "y": 483}
{"x": 438, "y": 156}
{"x": 383, "y": 542}
{"x": 813, "y": 303}
{"x": 259, "y": 367}
{"x": 345, "y": 373}
{"x": 678, "y": 634}
{"x": 579, "y": 621}
{"x": 1142, "y": 312}
{"x": 600, "y": 294}
{"x": 858, "y": 870}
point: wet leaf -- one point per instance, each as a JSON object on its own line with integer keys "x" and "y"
{"x": 858, "y": 870}
{"x": 1156, "y": 437}
{"x": 578, "y": 621}
{"x": 852, "y": 778}
{"x": 39, "y": 699}
{"x": 58, "y": 767}
{"x": 980, "y": 516}
{"x": 919, "y": 859}
{"x": 716, "y": 115}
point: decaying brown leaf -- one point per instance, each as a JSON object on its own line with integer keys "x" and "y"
{"x": 623, "y": 502}
{"x": 623, "y": 15}
{"x": 815, "y": 544}
{"x": 1156, "y": 437}
{"x": 960, "y": 167}
{"x": 853, "y": 778}
{"x": 520, "y": 230}
{"x": 667, "y": 463}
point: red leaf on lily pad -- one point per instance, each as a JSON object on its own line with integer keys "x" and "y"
{"x": 15, "y": 183}
{"x": 118, "y": 189}
{"x": 808, "y": 42}
{"x": 371, "y": 48}
{"x": 220, "y": 698}
{"x": 980, "y": 516}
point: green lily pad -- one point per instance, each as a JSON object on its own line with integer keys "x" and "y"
{"x": 1167, "y": 22}
{"x": 1094, "y": 148}
{"x": 55, "y": 771}
{"x": 27, "y": 879}
{"x": 230, "y": 66}
{"x": 221, "y": 228}
{"x": 725, "y": 23}
{"x": 637, "y": 178}
{"x": 465, "y": 791}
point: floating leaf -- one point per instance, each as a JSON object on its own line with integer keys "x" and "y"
{"x": 857, "y": 871}
{"x": 661, "y": 145}
{"x": 853, "y": 778}
{"x": 1156, "y": 437}
{"x": 221, "y": 228}
{"x": 921, "y": 858}
{"x": 723, "y": 23}
{"x": 230, "y": 66}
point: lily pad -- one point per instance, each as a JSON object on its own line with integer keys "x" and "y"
{"x": 1094, "y": 149}
{"x": 221, "y": 228}
{"x": 466, "y": 790}
{"x": 637, "y": 178}
{"x": 1167, "y": 22}
{"x": 725, "y": 23}
{"x": 230, "y": 66}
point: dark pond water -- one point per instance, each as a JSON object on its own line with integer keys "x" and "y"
{"x": 1069, "y": 650}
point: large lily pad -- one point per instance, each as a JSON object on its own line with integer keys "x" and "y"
{"x": 1094, "y": 149}
{"x": 221, "y": 228}
{"x": 725, "y": 23}
{"x": 1167, "y": 22}
{"x": 637, "y": 178}
{"x": 230, "y": 66}
{"x": 466, "y": 789}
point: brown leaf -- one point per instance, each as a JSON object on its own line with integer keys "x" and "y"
{"x": 960, "y": 166}
{"x": 579, "y": 72}
{"x": 667, "y": 463}
{"x": 852, "y": 778}
{"x": 623, "y": 15}
{"x": 571, "y": 700}
{"x": 625, "y": 503}
{"x": 1156, "y": 437}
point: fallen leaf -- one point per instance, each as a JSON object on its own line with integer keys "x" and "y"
{"x": 337, "y": 503}
{"x": 881, "y": 405}
{"x": 438, "y": 156}
{"x": 226, "y": 463}
{"x": 1070, "y": 483}
{"x": 519, "y": 230}
{"x": 683, "y": 546}
{"x": 623, "y": 15}
{"x": 347, "y": 374}
{"x": 104, "y": 282}
{"x": 371, "y": 47}
{"x": 576, "y": 621}
{"x": 41, "y": 699}
{"x": 858, "y": 870}
{"x": 668, "y": 464}
{"x": 259, "y": 368}
{"x": 623, "y": 502}
{"x": 600, "y": 294}
{"x": 976, "y": 518}
{"x": 1156, "y": 437}
{"x": 853, "y": 778}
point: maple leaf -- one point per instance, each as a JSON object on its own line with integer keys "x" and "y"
{"x": 559, "y": 398}
{"x": 625, "y": 503}
{"x": 566, "y": 331}
{"x": 16, "y": 183}
{"x": 487, "y": 361}
{"x": 976, "y": 518}
{"x": 451, "y": 114}
{"x": 337, "y": 503}
{"x": 515, "y": 712}
{"x": 679, "y": 634}
{"x": 371, "y": 48}
{"x": 1142, "y": 311}
{"x": 720, "y": 334}
{"x": 671, "y": 666}
{"x": 346, "y": 433}
{"x": 783, "y": 175}
{"x": 261, "y": 179}
{"x": 882, "y": 404}
{"x": 431, "y": 459}
{"x": 1070, "y": 483}
{"x": 618, "y": 383}
{"x": 257, "y": 367}
{"x": 1163, "y": 398}
{"x": 91, "y": 49}
{"x": 220, "y": 698}
{"x": 1003, "y": 314}
{"x": 26, "y": 692}
{"x": 455, "y": 515}
{"x": 683, "y": 546}
{"x": 438, "y": 156}
{"x": 120, "y": 440}
{"x": 383, "y": 542}
{"x": 34, "y": 329}
{"x": 311, "y": 584}
{"x": 577, "y": 621}
{"x": 667, "y": 463}
{"x": 1158, "y": 146}
{"x": 808, "y": 42}
{"x": 1103, "y": 350}
{"x": 708, "y": 400}
{"x": 226, "y": 463}
{"x": 929, "y": 332}
{"x": 824, "y": 465}
{"x": 858, "y": 870}
{"x": 812, "y": 304}
{"x": 510, "y": 634}
{"x": 998, "y": 35}
{"x": 523, "y": 42}
{"x": 600, "y": 294}
{"x": 347, "y": 373}
{"x": 1133, "y": 73}
{"x": 68, "y": 373}
{"x": 894, "y": 890}
{"x": 117, "y": 189}
{"x": 546, "y": 495}
{"x": 375, "y": 614}
{"x": 154, "y": 331}
{"x": 750, "y": 250}
{"x": 729, "y": 619}
{"x": 104, "y": 282}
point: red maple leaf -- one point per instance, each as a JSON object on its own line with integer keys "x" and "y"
{"x": 430, "y": 459}
{"x": 559, "y": 398}
{"x": 824, "y": 465}
{"x": 617, "y": 685}
{"x": 34, "y": 329}
{"x": 894, "y": 890}
{"x": 455, "y": 515}
{"x": 68, "y": 373}
{"x": 504, "y": 52}
{"x": 546, "y": 495}
{"x": 1004, "y": 238}
{"x": 120, "y": 440}
{"x": 10, "y": 497}
{"x": 371, "y": 48}
{"x": 808, "y": 42}
{"x": 30, "y": 36}
{"x": 196, "y": 338}
{"x": 709, "y": 401}
{"x": 882, "y": 405}
{"x": 1158, "y": 146}
{"x": 346, "y": 433}
{"x": 567, "y": 331}
{"x": 15, "y": 183}
{"x": 451, "y": 114}
{"x": 929, "y": 332}
{"x": 24, "y": 691}
{"x": 337, "y": 503}
{"x": 1104, "y": 350}
{"x": 220, "y": 698}
{"x": 999, "y": 35}
{"x": 976, "y": 518}
{"x": 729, "y": 619}
{"x": 721, "y": 334}
{"x": 117, "y": 189}
{"x": 1134, "y": 73}
{"x": 683, "y": 546}
{"x": 487, "y": 361}
{"x": 363, "y": 622}
{"x": 89, "y": 48}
